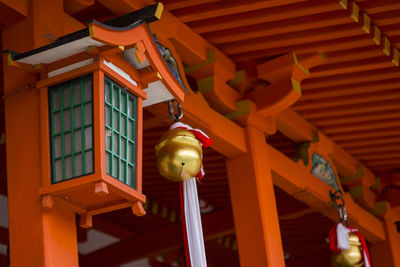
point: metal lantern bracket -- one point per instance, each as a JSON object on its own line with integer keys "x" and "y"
{"x": 173, "y": 105}
{"x": 337, "y": 198}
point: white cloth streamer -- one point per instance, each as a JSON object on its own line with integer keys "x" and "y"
{"x": 194, "y": 228}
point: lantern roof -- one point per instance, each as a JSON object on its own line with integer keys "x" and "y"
{"x": 99, "y": 34}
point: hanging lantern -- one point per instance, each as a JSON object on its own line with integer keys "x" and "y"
{"x": 93, "y": 86}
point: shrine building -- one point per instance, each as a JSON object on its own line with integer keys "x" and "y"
{"x": 291, "y": 108}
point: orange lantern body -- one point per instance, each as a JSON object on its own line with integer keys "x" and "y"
{"x": 92, "y": 90}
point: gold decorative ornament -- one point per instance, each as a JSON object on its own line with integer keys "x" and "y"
{"x": 351, "y": 257}
{"x": 179, "y": 155}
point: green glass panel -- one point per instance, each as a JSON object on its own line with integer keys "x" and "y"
{"x": 120, "y": 128}
{"x": 71, "y": 128}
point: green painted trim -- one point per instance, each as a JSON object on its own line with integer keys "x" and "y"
{"x": 381, "y": 208}
{"x": 377, "y": 185}
{"x": 242, "y": 108}
{"x": 83, "y": 86}
{"x": 302, "y": 153}
{"x": 121, "y": 108}
{"x": 315, "y": 135}
{"x": 296, "y": 61}
{"x": 357, "y": 191}
{"x": 206, "y": 84}
{"x": 359, "y": 174}
{"x": 239, "y": 78}
{"x": 211, "y": 58}
{"x": 296, "y": 85}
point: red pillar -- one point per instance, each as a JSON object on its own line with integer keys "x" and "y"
{"x": 388, "y": 253}
{"x": 38, "y": 237}
{"x": 254, "y": 205}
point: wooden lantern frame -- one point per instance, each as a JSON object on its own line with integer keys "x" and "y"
{"x": 99, "y": 192}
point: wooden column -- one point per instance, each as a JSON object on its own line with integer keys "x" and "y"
{"x": 254, "y": 205}
{"x": 43, "y": 237}
{"x": 387, "y": 253}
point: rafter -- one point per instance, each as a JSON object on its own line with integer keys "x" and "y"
{"x": 358, "y": 77}
{"x": 265, "y": 15}
{"x": 350, "y": 89}
{"x": 278, "y": 27}
{"x": 346, "y": 100}
{"x": 227, "y": 8}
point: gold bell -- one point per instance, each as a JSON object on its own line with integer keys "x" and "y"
{"x": 179, "y": 155}
{"x": 351, "y": 257}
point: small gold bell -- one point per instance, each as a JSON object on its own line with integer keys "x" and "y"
{"x": 351, "y": 257}
{"x": 179, "y": 155}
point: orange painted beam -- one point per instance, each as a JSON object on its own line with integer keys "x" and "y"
{"x": 74, "y": 6}
{"x": 313, "y": 47}
{"x": 353, "y": 54}
{"x": 254, "y": 205}
{"x": 264, "y": 15}
{"x": 346, "y": 79}
{"x": 363, "y": 134}
{"x": 304, "y": 186}
{"x": 13, "y": 11}
{"x": 218, "y": 10}
{"x": 177, "y": 4}
{"x": 370, "y": 116}
{"x": 198, "y": 114}
{"x": 350, "y": 89}
{"x": 350, "y": 109}
{"x": 278, "y": 27}
{"x": 299, "y": 130}
{"x": 347, "y": 100}
{"x": 375, "y": 148}
{"x": 373, "y": 7}
{"x": 368, "y": 141}
{"x": 366, "y": 126}
{"x": 122, "y": 7}
{"x": 292, "y": 39}
{"x": 351, "y": 66}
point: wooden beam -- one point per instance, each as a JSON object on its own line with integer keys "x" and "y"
{"x": 352, "y": 78}
{"x": 198, "y": 114}
{"x": 369, "y": 116}
{"x": 304, "y": 186}
{"x": 313, "y": 21}
{"x": 349, "y": 99}
{"x": 224, "y": 9}
{"x": 373, "y": 7}
{"x": 351, "y": 109}
{"x": 177, "y": 4}
{"x": 158, "y": 241}
{"x": 292, "y": 39}
{"x": 299, "y": 130}
{"x": 312, "y": 47}
{"x": 366, "y": 126}
{"x": 13, "y": 11}
{"x": 264, "y": 15}
{"x": 352, "y": 66}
